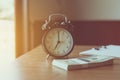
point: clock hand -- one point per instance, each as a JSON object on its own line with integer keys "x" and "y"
{"x": 58, "y": 36}
{"x": 56, "y": 46}
{"x": 57, "y": 42}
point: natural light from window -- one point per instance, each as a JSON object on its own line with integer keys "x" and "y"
{"x": 7, "y": 32}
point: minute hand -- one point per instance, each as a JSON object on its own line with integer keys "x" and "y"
{"x": 58, "y": 36}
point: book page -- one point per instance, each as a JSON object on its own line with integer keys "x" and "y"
{"x": 72, "y": 61}
{"x": 82, "y": 62}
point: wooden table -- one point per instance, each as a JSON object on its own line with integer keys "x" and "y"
{"x": 34, "y": 66}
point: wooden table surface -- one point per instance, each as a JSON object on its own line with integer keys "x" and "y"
{"x": 34, "y": 66}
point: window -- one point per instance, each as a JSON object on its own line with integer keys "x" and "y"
{"x": 7, "y": 32}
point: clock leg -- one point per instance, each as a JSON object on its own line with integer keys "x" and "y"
{"x": 47, "y": 57}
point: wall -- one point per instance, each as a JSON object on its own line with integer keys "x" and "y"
{"x": 97, "y": 10}
{"x": 96, "y": 21}
{"x": 77, "y": 9}
{"x": 40, "y": 9}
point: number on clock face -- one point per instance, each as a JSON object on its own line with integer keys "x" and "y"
{"x": 58, "y": 42}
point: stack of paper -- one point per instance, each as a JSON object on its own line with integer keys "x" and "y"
{"x": 110, "y": 50}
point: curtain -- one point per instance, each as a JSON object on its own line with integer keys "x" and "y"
{"x": 22, "y": 29}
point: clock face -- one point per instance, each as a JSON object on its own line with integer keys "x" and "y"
{"x": 58, "y": 42}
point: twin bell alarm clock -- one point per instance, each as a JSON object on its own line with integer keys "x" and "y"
{"x": 57, "y": 39}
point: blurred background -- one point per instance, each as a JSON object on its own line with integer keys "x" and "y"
{"x": 96, "y": 22}
{"x": 7, "y": 31}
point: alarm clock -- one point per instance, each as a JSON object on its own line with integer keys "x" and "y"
{"x": 57, "y": 39}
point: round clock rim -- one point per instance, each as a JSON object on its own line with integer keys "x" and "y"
{"x": 43, "y": 44}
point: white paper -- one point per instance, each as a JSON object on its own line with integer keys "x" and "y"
{"x": 110, "y": 50}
